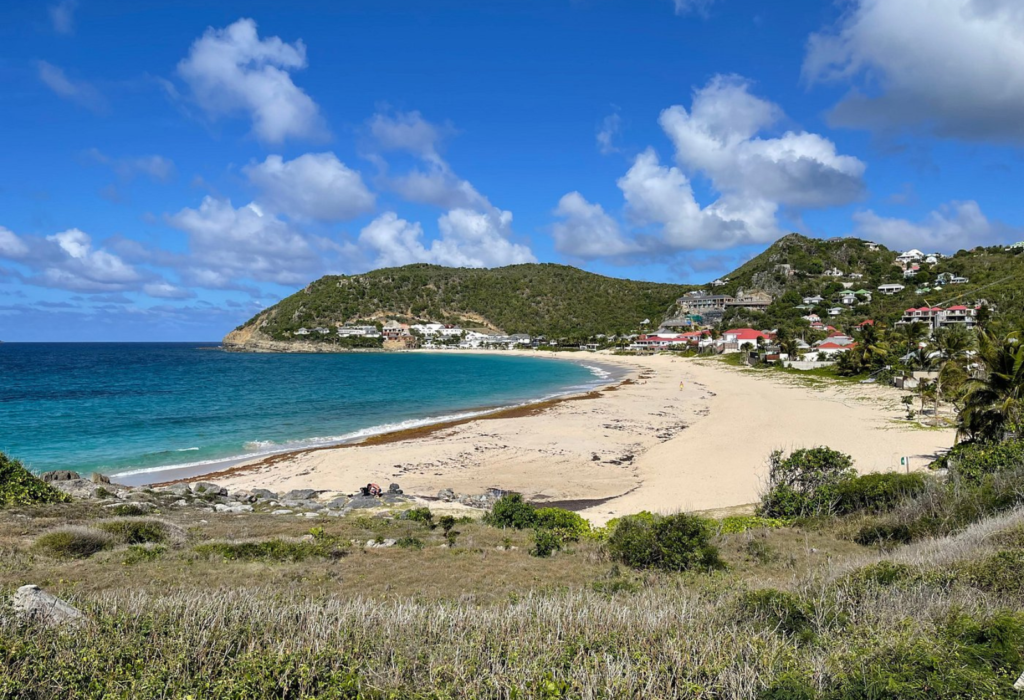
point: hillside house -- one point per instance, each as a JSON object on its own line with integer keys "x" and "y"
{"x": 833, "y": 272}
{"x": 813, "y": 301}
{"x": 957, "y": 316}
{"x": 835, "y": 311}
{"x": 358, "y": 331}
{"x": 393, "y": 330}
{"x": 912, "y": 255}
{"x": 753, "y": 301}
{"x": 891, "y": 289}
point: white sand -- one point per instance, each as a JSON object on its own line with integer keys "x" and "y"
{"x": 696, "y": 448}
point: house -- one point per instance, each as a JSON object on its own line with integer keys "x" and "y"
{"x": 719, "y": 282}
{"x": 700, "y": 302}
{"x": 957, "y": 316}
{"x": 831, "y": 349}
{"x": 959, "y": 280}
{"x": 754, "y": 301}
{"x": 427, "y": 329}
{"x": 660, "y": 342}
{"x": 835, "y": 311}
{"x": 848, "y": 298}
{"x": 361, "y": 331}
{"x": 833, "y": 272}
{"x": 925, "y": 314}
{"x": 890, "y": 289}
{"x": 910, "y": 256}
{"x": 855, "y": 276}
{"x": 812, "y": 318}
{"x": 740, "y": 338}
{"x": 865, "y": 324}
{"x": 393, "y": 330}
{"x": 932, "y": 260}
{"x": 872, "y": 247}
{"x": 813, "y": 301}
{"x": 911, "y": 271}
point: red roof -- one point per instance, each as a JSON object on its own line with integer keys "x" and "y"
{"x": 958, "y": 308}
{"x": 868, "y": 322}
{"x": 747, "y": 334}
{"x": 835, "y": 346}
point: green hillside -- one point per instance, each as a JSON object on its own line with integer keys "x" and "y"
{"x": 538, "y": 299}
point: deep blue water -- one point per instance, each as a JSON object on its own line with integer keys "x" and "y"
{"x": 123, "y": 407}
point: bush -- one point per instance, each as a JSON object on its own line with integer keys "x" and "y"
{"x": 18, "y": 487}
{"x": 512, "y": 511}
{"x": 806, "y": 483}
{"x": 971, "y": 461}
{"x": 126, "y": 510}
{"x": 73, "y": 542}
{"x": 572, "y": 526}
{"x": 884, "y": 573}
{"x": 273, "y": 550}
{"x": 780, "y": 612}
{"x": 546, "y": 542}
{"x": 884, "y": 534}
{"x": 673, "y": 543}
{"x": 735, "y": 524}
{"x": 877, "y": 492}
{"x": 410, "y": 543}
{"x": 136, "y": 531}
{"x": 420, "y": 515}
{"x": 999, "y": 573}
{"x": 138, "y": 553}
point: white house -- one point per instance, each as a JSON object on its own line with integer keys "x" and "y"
{"x": 848, "y": 298}
{"x": 910, "y": 256}
{"x": 959, "y": 280}
{"x": 834, "y": 272}
{"x": 890, "y": 289}
{"x": 812, "y": 318}
{"x": 835, "y": 311}
{"x": 811, "y": 301}
{"x": 363, "y": 331}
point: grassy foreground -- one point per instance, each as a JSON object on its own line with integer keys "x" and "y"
{"x": 799, "y": 612}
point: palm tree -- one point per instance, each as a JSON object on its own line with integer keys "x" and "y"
{"x": 922, "y": 360}
{"x": 993, "y": 403}
{"x": 872, "y": 350}
{"x": 953, "y": 346}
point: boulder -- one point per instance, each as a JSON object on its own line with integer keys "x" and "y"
{"x": 282, "y": 511}
{"x": 300, "y": 495}
{"x": 205, "y": 488}
{"x": 242, "y": 497}
{"x": 176, "y": 489}
{"x": 263, "y": 494}
{"x": 98, "y": 478}
{"x": 363, "y": 502}
{"x": 338, "y": 503}
{"x": 33, "y": 603}
{"x": 60, "y": 475}
{"x": 233, "y": 508}
{"x": 395, "y": 488}
{"x": 78, "y": 488}
{"x": 446, "y": 495}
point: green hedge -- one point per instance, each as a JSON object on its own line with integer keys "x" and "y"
{"x": 18, "y": 487}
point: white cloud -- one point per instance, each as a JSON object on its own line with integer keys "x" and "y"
{"x": 586, "y": 231}
{"x": 312, "y": 186}
{"x": 407, "y": 131}
{"x": 661, "y": 195}
{"x": 155, "y": 167}
{"x": 11, "y": 246}
{"x": 952, "y": 227}
{"x": 62, "y": 16}
{"x": 700, "y": 7}
{"x": 468, "y": 239}
{"x": 718, "y": 138}
{"x": 80, "y": 92}
{"x": 83, "y": 268}
{"x": 166, "y": 290}
{"x": 232, "y": 70}
{"x": 227, "y": 243}
{"x": 948, "y": 66}
{"x": 608, "y": 132}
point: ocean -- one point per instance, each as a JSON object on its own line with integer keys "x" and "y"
{"x": 138, "y": 409}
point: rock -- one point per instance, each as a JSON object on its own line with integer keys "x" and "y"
{"x": 394, "y": 488}
{"x": 363, "y": 502}
{"x": 310, "y": 515}
{"x": 300, "y": 495}
{"x": 263, "y": 494}
{"x": 446, "y": 495}
{"x": 78, "y": 488}
{"x": 391, "y": 498}
{"x": 242, "y": 497}
{"x": 33, "y": 603}
{"x": 282, "y": 511}
{"x": 232, "y": 508}
{"x": 373, "y": 544}
{"x": 204, "y": 488}
{"x": 60, "y": 475}
{"x": 98, "y": 478}
{"x": 176, "y": 489}
{"x": 180, "y": 504}
{"x": 143, "y": 506}
{"x": 339, "y": 502}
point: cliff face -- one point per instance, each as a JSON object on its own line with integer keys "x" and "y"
{"x": 252, "y": 339}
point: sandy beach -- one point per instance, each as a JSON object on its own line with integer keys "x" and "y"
{"x": 679, "y": 433}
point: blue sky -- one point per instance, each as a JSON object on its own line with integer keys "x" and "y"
{"x": 170, "y": 168}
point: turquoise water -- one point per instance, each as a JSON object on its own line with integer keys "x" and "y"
{"x": 146, "y": 407}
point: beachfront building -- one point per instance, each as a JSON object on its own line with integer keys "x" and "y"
{"x": 831, "y": 349}
{"x": 890, "y": 289}
{"x": 393, "y": 330}
{"x": 937, "y": 317}
{"x": 358, "y": 332}
{"x": 710, "y": 307}
{"x": 738, "y": 339}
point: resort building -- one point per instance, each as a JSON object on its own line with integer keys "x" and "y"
{"x": 358, "y": 331}
{"x": 890, "y": 289}
{"x": 739, "y": 338}
{"x": 754, "y": 301}
{"x": 393, "y": 330}
{"x": 937, "y": 317}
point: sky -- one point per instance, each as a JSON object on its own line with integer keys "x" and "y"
{"x": 170, "y": 168}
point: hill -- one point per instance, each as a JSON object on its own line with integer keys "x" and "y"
{"x": 538, "y": 299}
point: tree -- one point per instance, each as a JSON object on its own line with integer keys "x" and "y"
{"x": 993, "y": 401}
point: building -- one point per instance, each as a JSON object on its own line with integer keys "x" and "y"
{"x": 813, "y": 301}
{"x": 835, "y": 311}
{"x": 812, "y": 318}
{"x": 831, "y": 349}
{"x": 890, "y": 289}
{"x": 911, "y": 271}
{"x": 834, "y": 272}
{"x": 358, "y": 331}
{"x": 738, "y": 339}
{"x": 393, "y": 330}
{"x": 959, "y": 280}
{"x": 912, "y": 255}
{"x": 848, "y": 298}
{"x": 754, "y": 301}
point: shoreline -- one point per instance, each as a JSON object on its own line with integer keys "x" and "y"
{"x": 606, "y": 375}
{"x": 684, "y": 434}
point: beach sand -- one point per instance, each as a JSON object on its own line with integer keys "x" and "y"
{"x": 679, "y": 434}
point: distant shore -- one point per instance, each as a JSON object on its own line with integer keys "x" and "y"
{"x": 681, "y": 433}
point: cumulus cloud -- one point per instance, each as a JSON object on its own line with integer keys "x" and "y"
{"x": 77, "y": 91}
{"x": 233, "y": 70}
{"x": 951, "y": 67}
{"x": 11, "y": 246}
{"x": 226, "y": 244}
{"x": 166, "y": 290}
{"x": 312, "y": 186}
{"x": 608, "y": 132}
{"x": 407, "y": 131}
{"x": 68, "y": 260}
{"x": 949, "y": 228}
{"x": 62, "y": 16}
{"x": 718, "y": 138}
{"x": 586, "y": 231}
{"x": 468, "y": 239}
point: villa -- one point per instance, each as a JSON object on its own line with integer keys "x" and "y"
{"x": 890, "y": 289}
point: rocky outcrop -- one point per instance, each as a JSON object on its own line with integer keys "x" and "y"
{"x": 60, "y": 475}
{"x": 33, "y": 603}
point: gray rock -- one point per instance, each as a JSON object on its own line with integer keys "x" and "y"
{"x": 144, "y": 506}
{"x": 181, "y": 504}
{"x": 60, "y": 475}
{"x": 363, "y": 502}
{"x": 205, "y": 488}
{"x": 395, "y": 488}
{"x": 33, "y": 603}
{"x": 263, "y": 494}
{"x": 98, "y": 478}
{"x": 339, "y": 502}
{"x": 300, "y": 495}
{"x": 373, "y": 544}
{"x": 232, "y": 508}
{"x": 446, "y": 495}
{"x": 242, "y": 497}
{"x": 78, "y": 488}
{"x": 282, "y": 511}
{"x": 310, "y": 515}
{"x": 176, "y": 489}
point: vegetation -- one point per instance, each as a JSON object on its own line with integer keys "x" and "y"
{"x": 671, "y": 543}
{"x": 18, "y": 487}
{"x": 806, "y": 483}
{"x": 73, "y": 542}
{"x": 539, "y": 299}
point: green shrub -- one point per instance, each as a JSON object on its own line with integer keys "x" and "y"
{"x": 73, "y": 542}
{"x": 761, "y": 552}
{"x": 1002, "y": 572}
{"x": 18, "y": 487}
{"x": 272, "y": 550}
{"x": 512, "y": 511}
{"x": 137, "y": 554}
{"x": 877, "y": 492}
{"x": 884, "y": 573}
{"x": 126, "y": 510}
{"x": 410, "y": 543}
{"x": 546, "y": 542}
{"x": 780, "y": 612}
{"x": 971, "y": 461}
{"x": 735, "y": 524}
{"x": 884, "y": 534}
{"x": 136, "y": 531}
{"x": 420, "y": 515}
{"x": 673, "y": 543}
{"x": 806, "y": 483}
{"x": 790, "y": 685}
{"x": 572, "y": 526}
